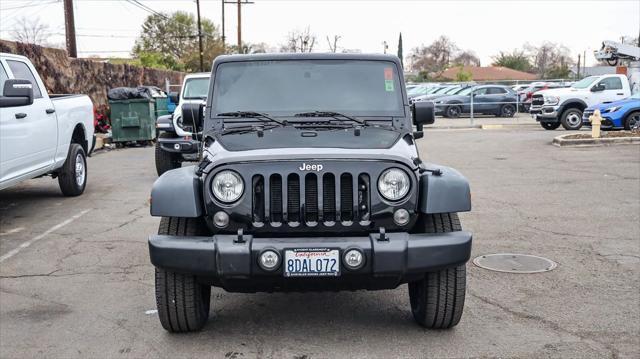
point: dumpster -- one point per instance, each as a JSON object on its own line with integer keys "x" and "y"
{"x": 133, "y": 119}
{"x": 162, "y": 105}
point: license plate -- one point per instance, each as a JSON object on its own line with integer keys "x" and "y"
{"x": 311, "y": 262}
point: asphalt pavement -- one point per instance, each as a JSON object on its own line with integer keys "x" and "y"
{"x": 75, "y": 277}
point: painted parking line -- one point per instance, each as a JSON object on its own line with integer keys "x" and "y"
{"x": 26, "y": 244}
{"x": 11, "y": 231}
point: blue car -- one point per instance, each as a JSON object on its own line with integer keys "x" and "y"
{"x": 616, "y": 115}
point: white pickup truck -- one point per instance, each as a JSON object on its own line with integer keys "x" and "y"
{"x": 564, "y": 106}
{"x": 41, "y": 134}
{"x": 178, "y": 135}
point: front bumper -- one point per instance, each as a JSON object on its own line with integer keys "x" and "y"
{"x": 231, "y": 262}
{"x": 545, "y": 113}
{"x": 179, "y": 145}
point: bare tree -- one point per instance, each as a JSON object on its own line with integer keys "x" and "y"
{"x": 299, "y": 41}
{"x": 434, "y": 58}
{"x": 467, "y": 58}
{"x": 31, "y": 32}
{"x": 333, "y": 44}
{"x": 550, "y": 59}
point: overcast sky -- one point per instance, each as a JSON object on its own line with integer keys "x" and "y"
{"x": 109, "y": 27}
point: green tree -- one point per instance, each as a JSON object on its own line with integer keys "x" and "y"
{"x": 463, "y": 76}
{"x": 400, "y": 50}
{"x": 516, "y": 60}
{"x": 171, "y": 41}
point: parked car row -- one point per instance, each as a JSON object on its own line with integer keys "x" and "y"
{"x": 453, "y": 100}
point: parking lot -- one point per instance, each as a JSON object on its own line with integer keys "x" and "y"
{"x": 76, "y": 279}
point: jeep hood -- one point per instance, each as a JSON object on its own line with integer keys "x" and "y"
{"x": 291, "y": 137}
{"x": 399, "y": 151}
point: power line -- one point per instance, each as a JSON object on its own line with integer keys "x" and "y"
{"x": 31, "y": 4}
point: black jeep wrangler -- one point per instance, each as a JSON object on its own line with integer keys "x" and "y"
{"x": 311, "y": 180}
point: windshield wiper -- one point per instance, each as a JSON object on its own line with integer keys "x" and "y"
{"x": 252, "y": 114}
{"x": 336, "y": 115}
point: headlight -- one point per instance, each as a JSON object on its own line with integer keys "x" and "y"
{"x": 394, "y": 184}
{"x": 611, "y": 109}
{"x": 551, "y": 100}
{"x": 227, "y": 186}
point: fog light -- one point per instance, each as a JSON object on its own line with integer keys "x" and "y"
{"x": 269, "y": 260}
{"x": 401, "y": 217}
{"x": 221, "y": 219}
{"x": 176, "y": 147}
{"x": 353, "y": 259}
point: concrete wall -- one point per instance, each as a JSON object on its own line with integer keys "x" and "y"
{"x": 62, "y": 74}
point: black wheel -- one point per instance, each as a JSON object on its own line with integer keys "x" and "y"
{"x": 72, "y": 177}
{"x": 437, "y": 300}
{"x": 550, "y": 126}
{"x": 507, "y": 111}
{"x": 452, "y": 112}
{"x": 571, "y": 119}
{"x": 632, "y": 120}
{"x": 183, "y": 303}
{"x": 165, "y": 160}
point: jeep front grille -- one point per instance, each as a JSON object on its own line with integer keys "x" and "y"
{"x": 310, "y": 199}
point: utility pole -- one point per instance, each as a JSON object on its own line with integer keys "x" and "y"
{"x": 224, "y": 38}
{"x": 70, "y": 29}
{"x": 200, "y": 37}
{"x": 240, "y": 26}
{"x": 578, "y": 74}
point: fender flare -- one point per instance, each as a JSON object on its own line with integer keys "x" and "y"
{"x": 571, "y": 103}
{"x": 444, "y": 193}
{"x": 177, "y": 193}
{"x": 165, "y": 123}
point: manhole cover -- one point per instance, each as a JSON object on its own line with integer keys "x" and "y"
{"x": 514, "y": 263}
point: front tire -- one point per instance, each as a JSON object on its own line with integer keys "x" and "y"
{"x": 632, "y": 120}
{"x": 571, "y": 119}
{"x": 183, "y": 303}
{"x": 507, "y": 111}
{"x": 550, "y": 126}
{"x": 166, "y": 160}
{"x": 452, "y": 112}
{"x": 72, "y": 177}
{"x": 437, "y": 300}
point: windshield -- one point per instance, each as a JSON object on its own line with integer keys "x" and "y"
{"x": 196, "y": 88}
{"x": 434, "y": 90}
{"x": 287, "y": 87}
{"x": 442, "y": 90}
{"x": 419, "y": 90}
{"x": 453, "y": 90}
{"x": 585, "y": 82}
{"x": 466, "y": 91}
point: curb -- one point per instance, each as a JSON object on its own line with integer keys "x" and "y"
{"x": 559, "y": 141}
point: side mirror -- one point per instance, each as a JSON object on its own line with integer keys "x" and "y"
{"x": 16, "y": 93}
{"x": 423, "y": 113}
{"x": 173, "y": 96}
{"x": 598, "y": 88}
{"x": 193, "y": 113}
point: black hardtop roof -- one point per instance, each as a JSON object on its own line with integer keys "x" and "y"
{"x": 306, "y": 56}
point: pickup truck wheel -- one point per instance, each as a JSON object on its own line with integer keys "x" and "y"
{"x": 571, "y": 119}
{"x": 550, "y": 126}
{"x": 165, "y": 160}
{"x": 632, "y": 120}
{"x": 183, "y": 303}
{"x": 72, "y": 177}
{"x": 437, "y": 300}
{"x": 452, "y": 112}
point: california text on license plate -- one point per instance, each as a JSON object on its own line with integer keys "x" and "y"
{"x": 311, "y": 262}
